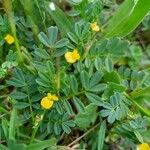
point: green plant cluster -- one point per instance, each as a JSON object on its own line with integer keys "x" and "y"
{"x": 103, "y": 97}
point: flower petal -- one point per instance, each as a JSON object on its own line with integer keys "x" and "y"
{"x": 46, "y": 103}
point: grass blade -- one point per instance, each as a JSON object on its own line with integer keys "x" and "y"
{"x": 101, "y": 135}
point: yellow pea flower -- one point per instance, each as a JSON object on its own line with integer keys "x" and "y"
{"x": 9, "y": 39}
{"x": 72, "y": 57}
{"x": 46, "y": 103}
{"x": 144, "y": 146}
{"x": 52, "y": 97}
{"x": 49, "y": 96}
{"x": 95, "y": 27}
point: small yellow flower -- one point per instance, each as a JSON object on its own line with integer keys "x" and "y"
{"x": 52, "y": 97}
{"x": 95, "y": 27}
{"x": 72, "y": 57}
{"x": 144, "y": 146}
{"x": 46, "y": 103}
{"x": 9, "y": 39}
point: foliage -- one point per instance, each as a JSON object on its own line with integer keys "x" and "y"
{"x": 103, "y": 97}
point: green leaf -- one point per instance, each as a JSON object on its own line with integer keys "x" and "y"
{"x": 96, "y": 78}
{"x": 73, "y": 37}
{"x": 42, "y": 145}
{"x": 84, "y": 119}
{"x": 21, "y": 105}
{"x": 79, "y": 105}
{"x": 115, "y": 109}
{"x": 98, "y": 63}
{"x": 60, "y": 52}
{"x": 42, "y": 53}
{"x": 13, "y": 145}
{"x": 2, "y": 147}
{"x": 101, "y": 135}
{"x": 75, "y": 2}
{"x": 98, "y": 88}
{"x": 12, "y": 124}
{"x": 73, "y": 84}
{"x": 84, "y": 79}
{"x": 95, "y": 99}
{"x": 4, "y": 124}
{"x": 18, "y": 95}
{"x": 44, "y": 39}
{"x": 139, "y": 136}
{"x": 52, "y": 35}
{"x": 113, "y": 87}
{"x": 123, "y": 11}
{"x": 131, "y": 15}
{"x": 68, "y": 107}
{"x": 18, "y": 79}
{"x": 109, "y": 64}
{"x": 62, "y": 43}
{"x": 60, "y": 19}
{"x": 111, "y": 77}
{"x": 57, "y": 128}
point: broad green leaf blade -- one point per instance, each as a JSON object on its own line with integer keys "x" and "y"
{"x": 42, "y": 145}
{"x": 12, "y": 124}
{"x": 129, "y": 23}
{"x": 2, "y": 147}
{"x": 60, "y": 18}
{"x": 84, "y": 119}
{"x": 4, "y": 124}
{"x": 101, "y": 135}
{"x": 12, "y": 145}
{"x": 123, "y": 11}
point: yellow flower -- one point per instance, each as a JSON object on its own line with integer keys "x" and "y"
{"x": 52, "y": 97}
{"x": 144, "y": 146}
{"x": 9, "y": 39}
{"x": 95, "y": 27}
{"x": 46, "y": 103}
{"x": 72, "y": 57}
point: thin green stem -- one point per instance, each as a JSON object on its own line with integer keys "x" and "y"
{"x": 35, "y": 129}
{"x": 58, "y": 74}
{"x": 145, "y": 111}
{"x": 30, "y": 103}
{"x": 140, "y": 92}
{"x": 10, "y": 13}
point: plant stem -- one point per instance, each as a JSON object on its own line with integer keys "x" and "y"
{"x": 10, "y": 13}
{"x": 141, "y": 92}
{"x": 145, "y": 111}
{"x": 30, "y": 103}
{"x": 36, "y": 128}
{"x": 85, "y": 134}
{"x": 58, "y": 74}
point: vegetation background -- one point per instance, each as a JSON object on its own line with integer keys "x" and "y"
{"x": 74, "y": 74}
